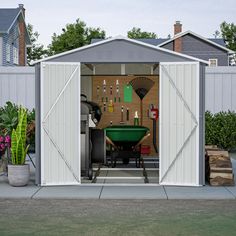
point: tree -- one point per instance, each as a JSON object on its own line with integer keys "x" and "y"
{"x": 73, "y": 36}
{"x": 217, "y": 34}
{"x": 228, "y": 31}
{"x": 36, "y": 51}
{"x": 136, "y": 33}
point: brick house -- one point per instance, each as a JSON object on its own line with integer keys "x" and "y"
{"x": 14, "y": 37}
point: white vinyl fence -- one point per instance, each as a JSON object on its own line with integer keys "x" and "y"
{"x": 220, "y": 88}
{"x": 17, "y": 84}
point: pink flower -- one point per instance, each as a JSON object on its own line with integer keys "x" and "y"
{"x": 1, "y": 139}
{"x": 2, "y": 146}
{"x": 8, "y": 139}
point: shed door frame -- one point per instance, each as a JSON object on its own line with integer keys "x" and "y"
{"x": 77, "y": 176}
{"x": 196, "y": 116}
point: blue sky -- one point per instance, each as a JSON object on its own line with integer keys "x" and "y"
{"x": 116, "y": 17}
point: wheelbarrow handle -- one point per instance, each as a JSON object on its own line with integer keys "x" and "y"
{"x": 142, "y": 140}
{"x": 110, "y": 142}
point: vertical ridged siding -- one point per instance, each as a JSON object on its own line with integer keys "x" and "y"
{"x": 220, "y": 88}
{"x": 61, "y": 144}
{"x": 13, "y": 40}
{"x": 17, "y": 84}
{"x": 1, "y": 50}
{"x": 177, "y": 123}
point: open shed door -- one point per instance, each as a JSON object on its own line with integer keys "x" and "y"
{"x": 179, "y": 123}
{"x": 60, "y": 123}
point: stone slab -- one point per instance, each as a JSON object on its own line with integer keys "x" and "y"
{"x": 205, "y": 192}
{"x": 8, "y": 191}
{"x": 133, "y": 192}
{"x": 69, "y": 192}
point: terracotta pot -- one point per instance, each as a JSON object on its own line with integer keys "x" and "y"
{"x": 18, "y": 175}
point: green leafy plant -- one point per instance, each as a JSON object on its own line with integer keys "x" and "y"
{"x": 18, "y": 139}
{"x": 220, "y": 129}
{"x": 30, "y": 116}
{"x": 8, "y": 118}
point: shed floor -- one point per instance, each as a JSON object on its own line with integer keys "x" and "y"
{"x": 126, "y": 174}
{"x": 97, "y": 191}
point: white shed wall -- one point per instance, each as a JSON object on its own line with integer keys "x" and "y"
{"x": 17, "y": 84}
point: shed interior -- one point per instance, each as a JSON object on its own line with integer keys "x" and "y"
{"x": 121, "y": 91}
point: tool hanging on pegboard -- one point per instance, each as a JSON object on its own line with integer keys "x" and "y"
{"x": 111, "y": 106}
{"x": 153, "y": 113}
{"x": 98, "y": 92}
{"x": 104, "y": 106}
{"x": 127, "y": 114}
{"x": 111, "y": 90}
{"x": 104, "y": 97}
{"x": 117, "y": 97}
{"x": 110, "y": 94}
{"x": 142, "y": 86}
{"x": 122, "y": 115}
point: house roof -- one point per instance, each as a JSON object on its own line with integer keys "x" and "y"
{"x": 219, "y": 41}
{"x": 163, "y": 41}
{"x": 8, "y": 16}
{"x": 124, "y": 39}
{"x": 215, "y": 42}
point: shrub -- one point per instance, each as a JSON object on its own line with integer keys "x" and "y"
{"x": 9, "y": 120}
{"x": 220, "y": 129}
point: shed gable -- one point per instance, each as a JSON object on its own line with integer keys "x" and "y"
{"x": 120, "y": 51}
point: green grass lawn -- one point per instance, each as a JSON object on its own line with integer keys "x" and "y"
{"x": 113, "y": 217}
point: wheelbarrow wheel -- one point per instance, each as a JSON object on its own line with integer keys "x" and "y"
{"x": 126, "y": 160}
{"x": 90, "y": 173}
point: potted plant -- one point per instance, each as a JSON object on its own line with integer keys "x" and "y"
{"x": 18, "y": 171}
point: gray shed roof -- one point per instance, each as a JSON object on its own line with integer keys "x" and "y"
{"x": 7, "y": 17}
{"x": 154, "y": 42}
{"x": 120, "y": 50}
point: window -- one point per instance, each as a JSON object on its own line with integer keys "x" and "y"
{"x": 8, "y": 52}
{"x": 15, "y": 55}
{"x": 213, "y": 62}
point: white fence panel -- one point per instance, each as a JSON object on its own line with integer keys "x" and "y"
{"x": 220, "y": 88}
{"x": 17, "y": 84}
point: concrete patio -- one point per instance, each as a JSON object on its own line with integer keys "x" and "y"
{"x": 96, "y": 191}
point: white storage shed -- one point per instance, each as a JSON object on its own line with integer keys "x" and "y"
{"x": 181, "y": 109}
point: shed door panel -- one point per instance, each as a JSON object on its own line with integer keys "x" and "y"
{"x": 179, "y": 124}
{"x": 60, "y": 120}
